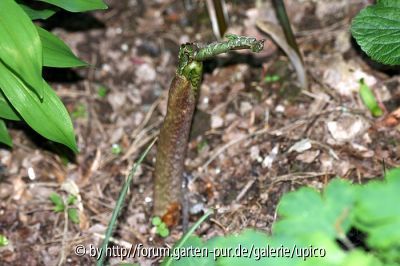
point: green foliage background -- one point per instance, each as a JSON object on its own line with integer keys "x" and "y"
{"x": 24, "y": 49}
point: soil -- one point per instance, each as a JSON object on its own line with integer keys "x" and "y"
{"x": 252, "y": 140}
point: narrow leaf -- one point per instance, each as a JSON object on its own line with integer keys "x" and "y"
{"x": 20, "y": 46}
{"x": 377, "y": 31}
{"x": 6, "y": 109}
{"x": 119, "y": 204}
{"x": 36, "y": 13}
{"x": 4, "y": 136}
{"x": 56, "y": 53}
{"x": 48, "y": 117}
{"x": 77, "y": 5}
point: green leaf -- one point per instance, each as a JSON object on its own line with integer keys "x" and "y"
{"x": 77, "y": 5}
{"x": 377, "y": 30}
{"x": 56, "y": 53}
{"x": 3, "y": 240}
{"x": 38, "y": 14}
{"x": 156, "y": 221}
{"x": 6, "y": 109}
{"x": 378, "y": 214}
{"x": 48, "y": 117}
{"x": 73, "y": 215}
{"x": 164, "y": 232}
{"x": 4, "y": 136}
{"x": 369, "y": 100}
{"x": 57, "y": 201}
{"x": 329, "y": 214}
{"x": 71, "y": 199}
{"x": 20, "y": 46}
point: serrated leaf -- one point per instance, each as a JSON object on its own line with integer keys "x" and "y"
{"x": 4, "y": 136}
{"x": 328, "y": 214}
{"x": 47, "y": 117}
{"x": 6, "y": 109}
{"x": 56, "y": 53}
{"x": 77, "y": 5}
{"x": 378, "y": 214}
{"x": 36, "y": 13}
{"x": 377, "y": 30}
{"x": 57, "y": 201}
{"x": 73, "y": 215}
{"x": 16, "y": 32}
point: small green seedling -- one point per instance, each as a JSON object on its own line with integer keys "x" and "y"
{"x": 369, "y": 100}
{"x": 60, "y": 206}
{"x": 102, "y": 91}
{"x": 201, "y": 145}
{"x": 79, "y": 111}
{"x": 116, "y": 149}
{"x": 3, "y": 241}
{"x": 161, "y": 227}
{"x": 271, "y": 78}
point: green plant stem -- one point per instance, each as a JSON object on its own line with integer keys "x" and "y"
{"x": 285, "y": 23}
{"x": 118, "y": 205}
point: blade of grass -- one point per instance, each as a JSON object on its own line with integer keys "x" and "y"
{"x": 118, "y": 205}
{"x": 186, "y": 236}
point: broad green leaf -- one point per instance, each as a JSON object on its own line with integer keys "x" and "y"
{"x": 4, "y": 136}
{"x": 36, "y": 13}
{"x": 56, "y": 53}
{"x": 77, "y": 5}
{"x": 377, "y": 30}
{"x": 20, "y": 46}
{"x": 48, "y": 117}
{"x": 328, "y": 214}
{"x": 369, "y": 100}
{"x": 389, "y": 3}
{"x": 334, "y": 254}
{"x": 378, "y": 214}
{"x": 6, "y": 109}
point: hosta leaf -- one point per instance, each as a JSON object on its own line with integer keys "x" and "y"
{"x": 77, "y": 5}
{"x": 48, "y": 116}
{"x": 6, "y": 109}
{"x": 377, "y": 31}
{"x": 56, "y": 53}
{"x": 36, "y": 13}
{"x": 4, "y": 137}
{"x": 20, "y": 46}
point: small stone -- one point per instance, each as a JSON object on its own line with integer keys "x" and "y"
{"x": 216, "y": 121}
